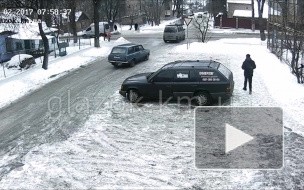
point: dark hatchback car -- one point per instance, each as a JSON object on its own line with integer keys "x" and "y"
{"x": 199, "y": 81}
{"x": 128, "y": 54}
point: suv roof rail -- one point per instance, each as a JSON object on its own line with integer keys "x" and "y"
{"x": 193, "y": 66}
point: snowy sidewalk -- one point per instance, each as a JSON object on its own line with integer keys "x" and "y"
{"x": 25, "y": 82}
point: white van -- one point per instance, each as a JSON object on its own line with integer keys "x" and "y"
{"x": 90, "y": 31}
{"x": 174, "y": 32}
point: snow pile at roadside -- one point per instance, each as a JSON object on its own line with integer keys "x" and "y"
{"x": 17, "y": 59}
{"x": 22, "y": 83}
{"x": 121, "y": 40}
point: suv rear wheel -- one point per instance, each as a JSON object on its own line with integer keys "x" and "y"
{"x": 133, "y": 95}
{"x": 202, "y": 99}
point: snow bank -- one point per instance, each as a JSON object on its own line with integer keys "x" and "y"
{"x": 17, "y": 59}
{"x": 121, "y": 40}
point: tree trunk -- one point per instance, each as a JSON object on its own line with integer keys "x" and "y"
{"x": 96, "y": 22}
{"x": 45, "y": 44}
{"x": 261, "y": 22}
{"x": 262, "y": 31}
{"x": 73, "y": 23}
{"x": 252, "y": 16}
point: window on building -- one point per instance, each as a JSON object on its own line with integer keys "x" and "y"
{"x": 18, "y": 46}
{"x": 8, "y": 42}
{"x": 40, "y": 44}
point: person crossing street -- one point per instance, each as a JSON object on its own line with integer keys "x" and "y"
{"x": 109, "y": 36}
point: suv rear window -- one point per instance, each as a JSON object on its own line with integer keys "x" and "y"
{"x": 170, "y": 29}
{"x": 119, "y": 50}
{"x": 226, "y": 72}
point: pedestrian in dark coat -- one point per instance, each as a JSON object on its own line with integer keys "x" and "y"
{"x": 248, "y": 67}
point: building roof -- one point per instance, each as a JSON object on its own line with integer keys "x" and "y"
{"x": 28, "y": 30}
{"x": 239, "y": 1}
{"x": 248, "y": 13}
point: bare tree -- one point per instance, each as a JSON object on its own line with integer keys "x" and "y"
{"x": 131, "y": 13}
{"x": 146, "y": 7}
{"x": 97, "y": 5}
{"x": 111, "y": 8}
{"x": 261, "y": 21}
{"x": 178, "y": 8}
{"x": 154, "y": 9}
{"x": 201, "y": 25}
{"x": 157, "y": 10}
{"x": 72, "y": 17}
{"x": 252, "y": 16}
{"x": 38, "y": 7}
{"x": 217, "y": 6}
{"x": 294, "y": 44}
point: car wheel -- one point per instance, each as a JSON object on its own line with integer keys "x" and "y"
{"x": 85, "y": 36}
{"x": 115, "y": 65}
{"x": 177, "y": 40}
{"x": 147, "y": 57}
{"x": 133, "y": 96}
{"x": 202, "y": 99}
{"x": 132, "y": 63}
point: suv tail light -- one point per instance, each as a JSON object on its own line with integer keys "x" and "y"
{"x": 228, "y": 88}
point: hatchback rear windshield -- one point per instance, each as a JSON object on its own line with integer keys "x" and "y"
{"x": 119, "y": 50}
{"x": 225, "y": 71}
{"x": 170, "y": 29}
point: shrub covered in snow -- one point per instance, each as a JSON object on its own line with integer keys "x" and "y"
{"x": 21, "y": 61}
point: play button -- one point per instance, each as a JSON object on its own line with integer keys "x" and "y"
{"x": 238, "y": 138}
{"x": 235, "y": 138}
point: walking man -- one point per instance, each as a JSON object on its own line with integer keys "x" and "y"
{"x": 248, "y": 66}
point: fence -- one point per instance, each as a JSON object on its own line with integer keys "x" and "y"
{"x": 286, "y": 33}
{"x": 245, "y": 23}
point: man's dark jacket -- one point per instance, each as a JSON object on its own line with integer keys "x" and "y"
{"x": 248, "y": 66}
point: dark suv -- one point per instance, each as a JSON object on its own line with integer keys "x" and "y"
{"x": 199, "y": 81}
{"x": 128, "y": 54}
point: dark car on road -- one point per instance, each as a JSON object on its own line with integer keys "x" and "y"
{"x": 128, "y": 54}
{"x": 199, "y": 81}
